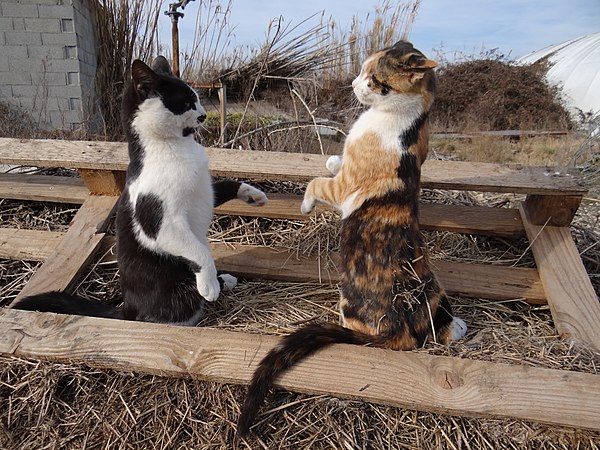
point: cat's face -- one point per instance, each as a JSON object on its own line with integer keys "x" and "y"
{"x": 391, "y": 76}
{"x": 167, "y": 105}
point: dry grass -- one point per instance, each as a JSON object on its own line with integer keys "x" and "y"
{"x": 50, "y": 405}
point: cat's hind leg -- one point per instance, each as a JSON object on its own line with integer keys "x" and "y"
{"x": 227, "y": 281}
{"x": 448, "y": 327}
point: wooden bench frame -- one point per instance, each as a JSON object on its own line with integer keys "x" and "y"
{"x": 403, "y": 379}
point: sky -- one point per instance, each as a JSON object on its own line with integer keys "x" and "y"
{"x": 449, "y": 27}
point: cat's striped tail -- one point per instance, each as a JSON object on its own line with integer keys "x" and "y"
{"x": 62, "y": 303}
{"x": 292, "y": 349}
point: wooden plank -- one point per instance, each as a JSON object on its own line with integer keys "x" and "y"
{"x": 432, "y": 217}
{"x": 438, "y": 217}
{"x": 103, "y": 182}
{"x": 472, "y": 280}
{"x": 75, "y": 250}
{"x": 257, "y": 165}
{"x": 556, "y": 211}
{"x": 411, "y": 380}
{"x": 573, "y": 302}
{"x": 28, "y": 245}
{"x": 42, "y": 188}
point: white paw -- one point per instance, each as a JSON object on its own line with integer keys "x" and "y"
{"x": 308, "y": 204}
{"x": 457, "y": 328}
{"x": 333, "y": 164}
{"x": 208, "y": 285}
{"x": 251, "y": 195}
{"x": 229, "y": 281}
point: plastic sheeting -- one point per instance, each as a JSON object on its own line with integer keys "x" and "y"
{"x": 575, "y": 66}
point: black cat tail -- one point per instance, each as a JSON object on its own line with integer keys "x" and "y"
{"x": 292, "y": 349}
{"x": 62, "y": 303}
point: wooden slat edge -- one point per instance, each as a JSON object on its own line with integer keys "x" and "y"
{"x": 45, "y": 188}
{"x": 471, "y": 280}
{"x": 401, "y": 379}
{"x": 438, "y": 217}
{"x": 75, "y": 249}
{"x": 573, "y": 302}
{"x": 259, "y": 165}
{"x": 432, "y": 217}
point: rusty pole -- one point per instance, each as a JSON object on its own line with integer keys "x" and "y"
{"x": 175, "y": 16}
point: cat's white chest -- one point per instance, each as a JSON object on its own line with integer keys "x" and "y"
{"x": 389, "y": 124}
{"x": 178, "y": 175}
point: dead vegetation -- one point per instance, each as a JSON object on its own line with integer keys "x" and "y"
{"x": 71, "y": 406}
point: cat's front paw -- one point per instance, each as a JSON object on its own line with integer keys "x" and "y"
{"x": 308, "y": 204}
{"x": 227, "y": 281}
{"x": 333, "y": 164}
{"x": 208, "y": 285}
{"x": 251, "y": 195}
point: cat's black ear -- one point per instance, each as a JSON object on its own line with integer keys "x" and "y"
{"x": 161, "y": 65}
{"x": 144, "y": 78}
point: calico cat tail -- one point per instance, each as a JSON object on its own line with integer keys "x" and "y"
{"x": 62, "y": 303}
{"x": 294, "y": 348}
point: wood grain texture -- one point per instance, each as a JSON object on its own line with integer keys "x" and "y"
{"x": 402, "y": 379}
{"x": 77, "y": 247}
{"x": 472, "y": 280}
{"x": 103, "y": 182}
{"x": 42, "y": 188}
{"x": 28, "y": 245}
{"x": 437, "y": 217}
{"x": 573, "y": 302}
{"x": 553, "y": 210}
{"x": 257, "y": 165}
{"x": 432, "y": 217}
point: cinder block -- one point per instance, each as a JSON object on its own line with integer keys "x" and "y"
{"x": 56, "y": 11}
{"x": 69, "y": 39}
{"x": 23, "y": 38}
{"x": 64, "y": 91}
{"x": 46, "y": 52}
{"x": 49, "y": 78}
{"x": 15, "y": 79}
{"x": 6, "y": 24}
{"x": 19, "y": 10}
{"x": 14, "y": 51}
{"x": 22, "y": 65}
{"x": 42, "y": 25}
{"x": 6, "y": 92}
{"x": 65, "y": 65}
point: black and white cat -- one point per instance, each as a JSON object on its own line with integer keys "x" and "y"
{"x": 167, "y": 271}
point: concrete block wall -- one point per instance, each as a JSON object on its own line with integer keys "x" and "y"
{"x": 48, "y": 61}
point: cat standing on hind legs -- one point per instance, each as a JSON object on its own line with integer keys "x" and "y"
{"x": 389, "y": 296}
{"x": 166, "y": 269}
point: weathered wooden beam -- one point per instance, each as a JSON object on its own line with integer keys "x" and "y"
{"x": 74, "y": 251}
{"x": 103, "y": 182}
{"x": 411, "y": 380}
{"x": 44, "y": 188}
{"x": 472, "y": 280}
{"x": 573, "y": 302}
{"x": 437, "y": 217}
{"x": 553, "y": 210}
{"x": 258, "y": 165}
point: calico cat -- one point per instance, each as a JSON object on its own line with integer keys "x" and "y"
{"x": 390, "y": 298}
{"x": 167, "y": 272}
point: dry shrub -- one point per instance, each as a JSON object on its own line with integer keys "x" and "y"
{"x": 491, "y": 94}
{"x": 126, "y": 31}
